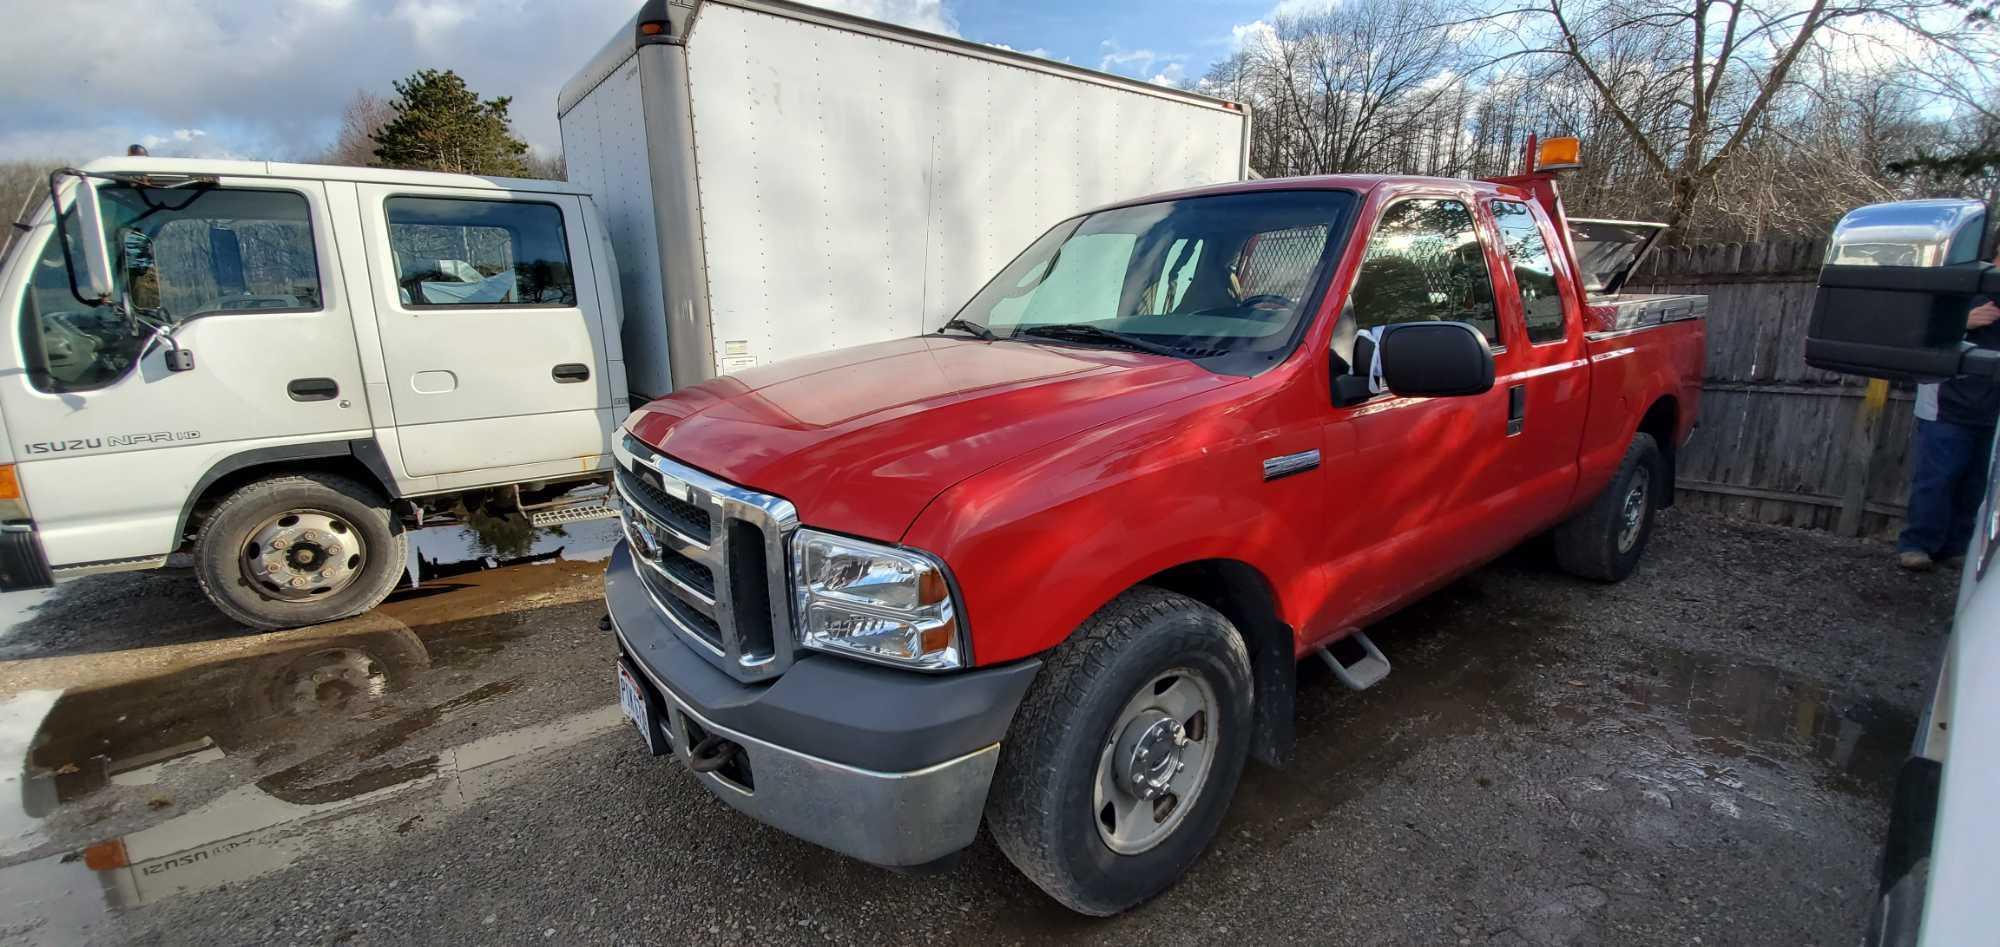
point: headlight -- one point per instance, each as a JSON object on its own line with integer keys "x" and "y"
{"x": 875, "y": 602}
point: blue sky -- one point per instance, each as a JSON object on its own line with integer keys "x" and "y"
{"x": 267, "y": 78}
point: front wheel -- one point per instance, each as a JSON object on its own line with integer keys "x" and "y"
{"x": 1123, "y": 757}
{"x": 299, "y": 550}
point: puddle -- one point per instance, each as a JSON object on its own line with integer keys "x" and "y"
{"x": 492, "y": 542}
{"x": 131, "y": 709}
{"x": 1758, "y": 715}
{"x": 249, "y": 832}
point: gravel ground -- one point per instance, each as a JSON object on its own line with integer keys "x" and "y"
{"x": 1702, "y": 753}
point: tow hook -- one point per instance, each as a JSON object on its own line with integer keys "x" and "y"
{"x": 712, "y": 753}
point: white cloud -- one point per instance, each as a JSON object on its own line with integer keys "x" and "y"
{"x": 269, "y": 79}
{"x": 179, "y": 135}
{"x": 1256, "y": 34}
{"x": 433, "y": 20}
{"x": 1041, "y": 51}
{"x": 1163, "y": 68}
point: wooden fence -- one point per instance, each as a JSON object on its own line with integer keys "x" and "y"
{"x": 1779, "y": 442}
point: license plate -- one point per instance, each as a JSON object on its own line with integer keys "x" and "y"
{"x": 632, "y": 700}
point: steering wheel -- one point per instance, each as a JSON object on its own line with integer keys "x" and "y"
{"x": 1266, "y": 301}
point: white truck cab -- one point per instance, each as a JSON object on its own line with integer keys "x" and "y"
{"x": 291, "y": 364}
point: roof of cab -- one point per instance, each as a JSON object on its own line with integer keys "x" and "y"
{"x": 324, "y": 172}
{"x": 1361, "y": 183}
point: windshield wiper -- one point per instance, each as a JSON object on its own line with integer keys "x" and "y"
{"x": 1081, "y": 332}
{"x": 977, "y": 331}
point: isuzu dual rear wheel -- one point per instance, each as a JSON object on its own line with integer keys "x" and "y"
{"x": 1605, "y": 540}
{"x": 299, "y": 550}
{"x": 1123, "y": 757}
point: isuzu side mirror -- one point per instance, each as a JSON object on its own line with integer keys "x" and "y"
{"x": 1894, "y": 292}
{"x": 90, "y": 278}
{"x": 1434, "y": 359}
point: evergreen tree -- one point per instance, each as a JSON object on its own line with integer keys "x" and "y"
{"x": 440, "y": 125}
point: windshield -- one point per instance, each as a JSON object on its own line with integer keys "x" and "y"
{"x": 1226, "y": 277}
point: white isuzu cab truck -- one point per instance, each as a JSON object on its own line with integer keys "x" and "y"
{"x": 281, "y": 367}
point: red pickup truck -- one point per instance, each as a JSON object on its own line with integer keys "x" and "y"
{"x": 1054, "y": 565}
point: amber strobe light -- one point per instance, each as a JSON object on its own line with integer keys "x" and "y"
{"x": 653, "y": 27}
{"x": 1559, "y": 154}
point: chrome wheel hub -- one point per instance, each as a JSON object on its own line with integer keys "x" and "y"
{"x": 304, "y": 554}
{"x": 1632, "y": 517}
{"x": 1149, "y": 755}
{"x": 1155, "y": 761}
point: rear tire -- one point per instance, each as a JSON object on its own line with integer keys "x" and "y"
{"x": 299, "y": 550}
{"x": 1605, "y": 540}
{"x": 1155, "y": 685}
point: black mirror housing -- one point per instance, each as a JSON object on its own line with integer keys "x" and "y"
{"x": 1893, "y": 295}
{"x": 1435, "y": 359}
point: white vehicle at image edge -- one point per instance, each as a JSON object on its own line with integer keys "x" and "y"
{"x": 281, "y": 367}
{"x": 1892, "y": 303}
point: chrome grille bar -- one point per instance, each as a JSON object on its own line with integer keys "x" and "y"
{"x": 659, "y": 535}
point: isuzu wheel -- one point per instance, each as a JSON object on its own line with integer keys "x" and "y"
{"x": 1123, "y": 757}
{"x": 299, "y": 550}
{"x": 1605, "y": 540}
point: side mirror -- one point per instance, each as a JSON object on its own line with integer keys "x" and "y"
{"x": 1893, "y": 294}
{"x": 94, "y": 285}
{"x": 1435, "y": 359}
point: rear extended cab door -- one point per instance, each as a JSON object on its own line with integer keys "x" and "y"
{"x": 493, "y": 332}
{"x": 1546, "y": 371}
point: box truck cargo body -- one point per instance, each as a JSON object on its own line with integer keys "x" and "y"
{"x": 779, "y": 180}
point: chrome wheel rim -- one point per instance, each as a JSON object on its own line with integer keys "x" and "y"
{"x": 301, "y": 555}
{"x": 1633, "y": 515}
{"x": 1155, "y": 761}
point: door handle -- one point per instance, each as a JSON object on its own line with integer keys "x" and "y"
{"x": 569, "y": 373}
{"x": 313, "y": 389}
{"x": 1517, "y": 409}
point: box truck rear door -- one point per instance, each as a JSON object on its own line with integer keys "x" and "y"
{"x": 491, "y": 336}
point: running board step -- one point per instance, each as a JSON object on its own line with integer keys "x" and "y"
{"x": 1362, "y": 674}
{"x": 576, "y": 513}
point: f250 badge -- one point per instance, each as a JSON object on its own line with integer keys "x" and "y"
{"x": 109, "y": 440}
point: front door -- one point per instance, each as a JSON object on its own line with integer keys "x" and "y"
{"x": 492, "y": 339}
{"x": 1412, "y": 477}
{"x": 109, "y": 441}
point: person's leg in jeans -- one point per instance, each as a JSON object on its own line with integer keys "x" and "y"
{"x": 1968, "y": 492}
{"x": 1934, "y": 474}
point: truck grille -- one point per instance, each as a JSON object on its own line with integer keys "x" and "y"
{"x": 712, "y": 554}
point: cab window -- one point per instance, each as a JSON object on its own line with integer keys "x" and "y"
{"x": 455, "y": 252}
{"x": 1425, "y": 262}
{"x": 1534, "y": 271}
{"x": 177, "y": 253}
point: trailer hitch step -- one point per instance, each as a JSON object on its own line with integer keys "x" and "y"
{"x": 1362, "y": 674}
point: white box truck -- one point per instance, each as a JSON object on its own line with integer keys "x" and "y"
{"x": 280, "y": 367}
{"x": 808, "y": 180}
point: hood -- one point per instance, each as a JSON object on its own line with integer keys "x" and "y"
{"x": 862, "y": 439}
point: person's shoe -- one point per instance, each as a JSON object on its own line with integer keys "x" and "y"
{"x": 1915, "y": 560}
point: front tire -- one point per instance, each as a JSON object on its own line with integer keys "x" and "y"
{"x": 1605, "y": 540}
{"x": 299, "y": 550}
{"x": 1122, "y": 759}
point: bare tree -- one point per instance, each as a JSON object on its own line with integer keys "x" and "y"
{"x": 363, "y": 116}
{"x": 1693, "y": 83}
{"x": 1347, "y": 88}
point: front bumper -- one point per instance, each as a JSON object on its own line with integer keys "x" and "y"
{"x": 887, "y": 766}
